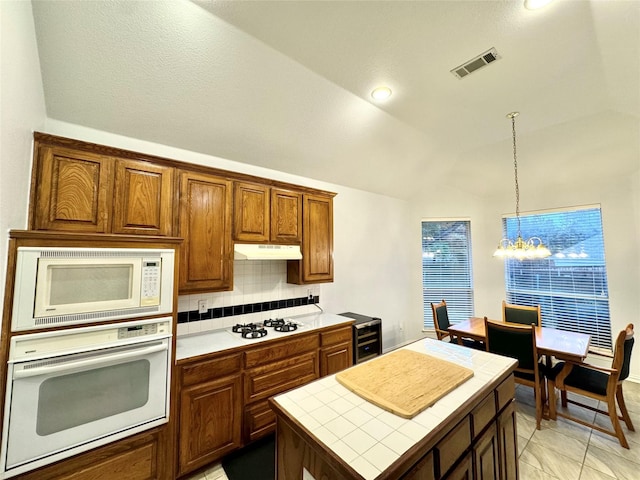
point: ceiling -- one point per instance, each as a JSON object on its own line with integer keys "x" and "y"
{"x": 286, "y": 85}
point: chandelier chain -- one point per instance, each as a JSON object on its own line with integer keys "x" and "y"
{"x": 515, "y": 171}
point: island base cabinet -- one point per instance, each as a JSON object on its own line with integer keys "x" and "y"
{"x": 479, "y": 446}
{"x": 508, "y": 443}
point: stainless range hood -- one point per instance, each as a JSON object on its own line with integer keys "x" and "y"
{"x": 250, "y": 251}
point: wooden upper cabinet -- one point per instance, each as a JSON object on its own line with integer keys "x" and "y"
{"x": 205, "y": 226}
{"x": 143, "y": 202}
{"x": 251, "y": 216}
{"x": 262, "y": 214}
{"x": 74, "y": 190}
{"x": 316, "y": 265}
{"x": 286, "y": 216}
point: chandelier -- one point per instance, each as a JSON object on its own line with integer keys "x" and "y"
{"x": 519, "y": 249}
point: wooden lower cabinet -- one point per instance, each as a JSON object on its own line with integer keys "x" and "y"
{"x": 424, "y": 470}
{"x": 210, "y": 409}
{"x": 336, "y": 352}
{"x": 223, "y": 399}
{"x": 210, "y": 416}
{"x": 140, "y": 457}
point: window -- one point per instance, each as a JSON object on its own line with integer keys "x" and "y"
{"x": 571, "y": 285}
{"x": 446, "y": 268}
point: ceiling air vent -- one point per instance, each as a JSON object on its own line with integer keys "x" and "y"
{"x": 476, "y": 63}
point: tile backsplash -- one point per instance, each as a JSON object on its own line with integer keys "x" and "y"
{"x": 260, "y": 291}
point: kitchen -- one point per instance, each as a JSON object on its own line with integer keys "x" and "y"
{"x": 377, "y": 270}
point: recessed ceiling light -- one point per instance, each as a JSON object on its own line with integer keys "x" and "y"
{"x": 535, "y": 4}
{"x": 381, "y": 93}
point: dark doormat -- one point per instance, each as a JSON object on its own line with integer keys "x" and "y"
{"x": 256, "y": 461}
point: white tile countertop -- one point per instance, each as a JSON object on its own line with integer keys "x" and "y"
{"x": 217, "y": 340}
{"x": 370, "y": 439}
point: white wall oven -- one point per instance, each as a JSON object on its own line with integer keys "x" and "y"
{"x": 72, "y": 390}
{"x": 66, "y": 286}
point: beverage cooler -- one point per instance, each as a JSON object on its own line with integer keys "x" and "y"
{"x": 367, "y": 337}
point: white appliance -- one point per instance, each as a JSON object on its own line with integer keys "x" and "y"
{"x": 259, "y": 251}
{"x": 72, "y": 390}
{"x": 65, "y": 286}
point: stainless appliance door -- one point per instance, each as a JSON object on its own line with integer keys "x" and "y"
{"x": 64, "y": 405}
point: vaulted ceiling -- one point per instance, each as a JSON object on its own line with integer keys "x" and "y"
{"x": 286, "y": 85}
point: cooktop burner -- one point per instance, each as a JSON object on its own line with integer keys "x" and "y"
{"x": 261, "y": 329}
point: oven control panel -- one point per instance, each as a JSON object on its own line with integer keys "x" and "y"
{"x": 72, "y": 340}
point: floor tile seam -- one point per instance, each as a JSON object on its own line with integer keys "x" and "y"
{"x": 540, "y": 470}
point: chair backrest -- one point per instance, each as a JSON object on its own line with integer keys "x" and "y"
{"x": 522, "y": 314}
{"x": 440, "y": 319}
{"x": 515, "y": 341}
{"x": 622, "y": 352}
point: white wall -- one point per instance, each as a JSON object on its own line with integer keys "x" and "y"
{"x": 21, "y": 111}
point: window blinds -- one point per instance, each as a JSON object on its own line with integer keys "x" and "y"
{"x": 571, "y": 285}
{"x": 446, "y": 268}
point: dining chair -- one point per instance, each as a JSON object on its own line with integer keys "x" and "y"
{"x": 519, "y": 342}
{"x": 441, "y": 324}
{"x": 522, "y": 314}
{"x": 603, "y": 384}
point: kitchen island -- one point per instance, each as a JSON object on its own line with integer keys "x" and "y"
{"x": 325, "y": 431}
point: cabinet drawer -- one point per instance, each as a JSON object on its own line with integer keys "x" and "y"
{"x": 451, "y": 447}
{"x": 483, "y": 414}
{"x": 294, "y": 345}
{"x": 262, "y": 382}
{"x": 210, "y": 369}
{"x": 505, "y": 392}
{"x": 335, "y": 336}
{"x": 259, "y": 420}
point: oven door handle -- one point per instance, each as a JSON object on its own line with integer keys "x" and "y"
{"x": 75, "y": 364}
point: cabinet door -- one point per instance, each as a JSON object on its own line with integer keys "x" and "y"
{"x": 143, "y": 198}
{"x": 251, "y": 213}
{"x": 508, "y": 443}
{"x": 205, "y": 222}
{"x": 485, "y": 455}
{"x": 74, "y": 190}
{"x": 423, "y": 470}
{"x": 336, "y": 358}
{"x": 286, "y": 216}
{"x": 210, "y": 416}
{"x": 316, "y": 265}
{"x": 463, "y": 470}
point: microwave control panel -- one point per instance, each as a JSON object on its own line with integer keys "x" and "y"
{"x": 151, "y": 271}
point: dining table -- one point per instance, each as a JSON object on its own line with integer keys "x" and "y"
{"x": 551, "y": 342}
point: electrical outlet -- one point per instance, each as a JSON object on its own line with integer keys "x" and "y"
{"x": 309, "y": 294}
{"x": 202, "y": 306}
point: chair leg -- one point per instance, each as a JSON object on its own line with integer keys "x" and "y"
{"x": 563, "y": 398}
{"x": 551, "y": 386}
{"x": 538, "y": 393}
{"x": 613, "y": 415}
{"x": 623, "y": 408}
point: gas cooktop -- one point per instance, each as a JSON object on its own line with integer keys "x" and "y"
{"x": 264, "y": 328}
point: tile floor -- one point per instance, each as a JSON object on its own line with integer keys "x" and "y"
{"x": 560, "y": 450}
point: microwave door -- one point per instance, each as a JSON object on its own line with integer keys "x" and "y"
{"x": 70, "y": 286}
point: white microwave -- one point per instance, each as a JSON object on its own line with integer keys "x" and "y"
{"x": 66, "y": 286}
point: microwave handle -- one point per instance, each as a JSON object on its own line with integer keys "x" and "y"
{"x": 102, "y": 359}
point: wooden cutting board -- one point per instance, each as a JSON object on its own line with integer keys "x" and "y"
{"x": 404, "y": 382}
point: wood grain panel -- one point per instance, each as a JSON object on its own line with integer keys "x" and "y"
{"x": 143, "y": 198}
{"x": 251, "y": 213}
{"x": 286, "y": 216}
{"x": 205, "y": 222}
